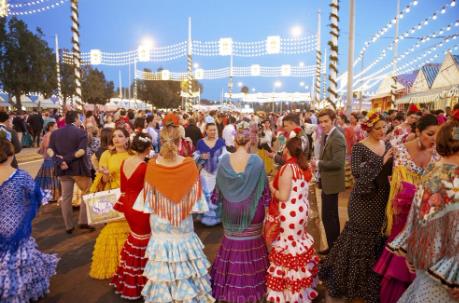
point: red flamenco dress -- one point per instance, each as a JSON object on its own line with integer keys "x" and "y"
{"x": 128, "y": 279}
{"x": 292, "y": 274}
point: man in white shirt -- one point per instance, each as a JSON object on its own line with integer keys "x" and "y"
{"x": 228, "y": 134}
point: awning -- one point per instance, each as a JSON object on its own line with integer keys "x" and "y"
{"x": 429, "y": 96}
{"x": 382, "y": 95}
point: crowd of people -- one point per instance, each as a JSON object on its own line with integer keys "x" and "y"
{"x": 257, "y": 175}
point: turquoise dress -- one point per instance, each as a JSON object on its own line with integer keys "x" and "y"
{"x": 177, "y": 268}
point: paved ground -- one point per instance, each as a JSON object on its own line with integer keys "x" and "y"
{"x": 72, "y": 283}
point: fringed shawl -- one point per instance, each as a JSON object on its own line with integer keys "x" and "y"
{"x": 434, "y": 231}
{"x": 171, "y": 192}
{"x": 240, "y": 192}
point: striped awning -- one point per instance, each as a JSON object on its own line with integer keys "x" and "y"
{"x": 430, "y": 96}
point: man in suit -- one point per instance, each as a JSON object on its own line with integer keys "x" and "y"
{"x": 67, "y": 147}
{"x": 331, "y": 170}
{"x": 6, "y": 128}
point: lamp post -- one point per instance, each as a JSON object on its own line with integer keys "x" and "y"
{"x": 278, "y": 84}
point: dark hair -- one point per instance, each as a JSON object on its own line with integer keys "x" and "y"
{"x": 4, "y": 116}
{"x": 400, "y": 116}
{"x": 70, "y": 117}
{"x": 344, "y": 118}
{"x": 139, "y": 145}
{"x": 123, "y": 112}
{"x": 192, "y": 121}
{"x": 425, "y": 121}
{"x": 210, "y": 124}
{"x": 88, "y": 114}
{"x": 149, "y": 119}
{"x": 125, "y": 133}
{"x": 446, "y": 145}
{"x": 139, "y": 123}
{"x": 130, "y": 115}
{"x": 185, "y": 116}
{"x": 391, "y": 111}
{"x": 294, "y": 148}
{"x": 50, "y": 125}
{"x": 327, "y": 112}
{"x": 6, "y": 150}
{"x": 355, "y": 115}
{"x": 106, "y": 135}
{"x": 292, "y": 118}
{"x": 232, "y": 120}
{"x": 456, "y": 106}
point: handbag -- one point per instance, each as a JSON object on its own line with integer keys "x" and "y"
{"x": 99, "y": 206}
{"x": 271, "y": 228}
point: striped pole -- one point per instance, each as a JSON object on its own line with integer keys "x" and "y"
{"x": 188, "y": 104}
{"x": 76, "y": 100}
{"x": 135, "y": 80}
{"x": 324, "y": 76}
{"x": 58, "y": 73}
{"x": 318, "y": 63}
{"x": 333, "y": 43}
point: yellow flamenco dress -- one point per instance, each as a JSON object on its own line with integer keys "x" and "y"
{"x": 109, "y": 243}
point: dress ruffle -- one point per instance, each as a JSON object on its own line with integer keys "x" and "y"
{"x": 106, "y": 254}
{"x": 239, "y": 271}
{"x": 128, "y": 279}
{"x": 446, "y": 271}
{"x": 292, "y": 277}
{"x": 358, "y": 249}
{"x": 25, "y": 273}
{"x": 177, "y": 270}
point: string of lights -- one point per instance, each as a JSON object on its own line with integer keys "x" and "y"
{"x": 385, "y": 28}
{"x": 428, "y": 56}
{"x": 32, "y": 7}
{"x": 223, "y": 47}
{"x": 237, "y": 71}
{"x": 422, "y": 40}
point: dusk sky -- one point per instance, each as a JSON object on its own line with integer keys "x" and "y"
{"x": 116, "y": 25}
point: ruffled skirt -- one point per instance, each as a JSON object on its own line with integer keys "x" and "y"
{"x": 47, "y": 180}
{"x": 347, "y": 271}
{"x": 425, "y": 289}
{"x": 292, "y": 274}
{"x": 25, "y": 273}
{"x": 211, "y": 217}
{"x": 128, "y": 279}
{"x": 176, "y": 270}
{"x": 239, "y": 271}
{"x": 106, "y": 254}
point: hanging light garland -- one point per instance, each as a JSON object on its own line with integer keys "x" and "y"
{"x": 30, "y": 7}
{"x": 385, "y": 28}
{"x": 238, "y": 71}
{"x": 333, "y": 43}
{"x": 285, "y": 46}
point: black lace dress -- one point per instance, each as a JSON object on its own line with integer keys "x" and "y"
{"x": 347, "y": 271}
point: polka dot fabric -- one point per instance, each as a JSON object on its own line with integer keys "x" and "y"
{"x": 292, "y": 274}
{"x": 347, "y": 271}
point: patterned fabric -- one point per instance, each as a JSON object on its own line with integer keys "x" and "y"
{"x": 24, "y": 270}
{"x": 430, "y": 238}
{"x": 347, "y": 270}
{"x": 47, "y": 180}
{"x": 398, "y": 135}
{"x": 177, "y": 266}
{"x": 292, "y": 274}
{"x": 208, "y": 178}
{"x": 405, "y": 177}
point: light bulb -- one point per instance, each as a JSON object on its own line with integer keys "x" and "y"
{"x": 434, "y": 17}
{"x": 453, "y": 3}
{"x": 415, "y": 2}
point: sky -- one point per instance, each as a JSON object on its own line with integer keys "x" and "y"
{"x": 121, "y": 25}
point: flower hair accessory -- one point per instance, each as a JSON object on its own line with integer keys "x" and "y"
{"x": 370, "y": 120}
{"x": 144, "y": 139}
{"x": 243, "y": 128}
{"x": 171, "y": 119}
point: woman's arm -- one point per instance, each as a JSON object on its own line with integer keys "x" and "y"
{"x": 285, "y": 183}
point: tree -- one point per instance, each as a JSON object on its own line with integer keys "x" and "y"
{"x": 163, "y": 93}
{"x": 26, "y": 61}
{"x": 67, "y": 80}
{"x": 95, "y": 88}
